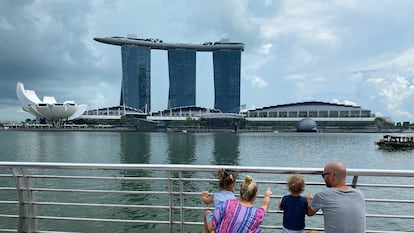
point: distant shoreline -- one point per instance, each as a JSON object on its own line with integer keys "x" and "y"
{"x": 194, "y": 130}
{"x": 116, "y": 129}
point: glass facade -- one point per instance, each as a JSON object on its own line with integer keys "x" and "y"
{"x": 227, "y": 80}
{"x": 313, "y": 110}
{"x": 136, "y": 77}
{"x": 182, "y": 76}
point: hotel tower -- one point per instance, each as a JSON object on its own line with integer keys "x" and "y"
{"x": 136, "y": 72}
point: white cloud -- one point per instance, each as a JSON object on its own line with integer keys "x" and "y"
{"x": 257, "y": 82}
{"x": 345, "y": 102}
{"x": 400, "y": 61}
{"x": 308, "y": 21}
{"x": 295, "y": 50}
{"x": 302, "y": 57}
{"x": 295, "y": 77}
{"x": 265, "y": 49}
{"x": 394, "y": 91}
{"x": 309, "y": 79}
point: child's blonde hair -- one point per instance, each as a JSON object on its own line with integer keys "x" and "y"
{"x": 248, "y": 189}
{"x": 296, "y": 184}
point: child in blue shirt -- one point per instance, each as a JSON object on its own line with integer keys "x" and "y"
{"x": 227, "y": 184}
{"x": 294, "y": 206}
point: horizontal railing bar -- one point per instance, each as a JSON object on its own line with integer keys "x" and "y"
{"x": 264, "y": 227}
{"x": 195, "y": 223}
{"x": 372, "y": 231}
{"x": 189, "y": 223}
{"x": 140, "y": 178}
{"x": 272, "y": 227}
{"x": 177, "y": 208}
{"x": 318, "y": 183}
{"x": 97, "y": 177}
{"x": 95, "y": 191}
{"x": 201, "y": 168}
{"x": 8, "y": 216}
{"x": 9, "y": 202}
{"x": 57, "y": 232}
{"x": 193, "y": 179}
{"x": 390, "y": 216}
{"x": 174, "y": 193}
{"x": 386, "y": 185}
{"x": 359, "y": 185}
{"x": 188, "y": 208}
{"x": 197, "y": 208}
{"x": 198, "y": 180}
{"x": 178, "y": 193}
{"x": 284, "y": 182}
{"x": 121, "y": 206}
{"x": 8, "y": 230}
{"x": 102, "y": 205}
{"x": 389, "y": 200}
{"x": 11, "y": 230}
{"x": 102, "y": 220}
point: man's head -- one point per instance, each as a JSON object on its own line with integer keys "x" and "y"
{"x": 334, "y": 174}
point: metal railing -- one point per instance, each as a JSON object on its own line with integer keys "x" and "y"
{"x": 74, "y": 197}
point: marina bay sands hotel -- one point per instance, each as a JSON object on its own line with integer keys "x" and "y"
{"x": 136, "y": 72}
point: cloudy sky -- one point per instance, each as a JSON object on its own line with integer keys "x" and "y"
{"x": 341, "y": 51}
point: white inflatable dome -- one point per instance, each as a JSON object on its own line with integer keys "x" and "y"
{"x": 48, "y": 108}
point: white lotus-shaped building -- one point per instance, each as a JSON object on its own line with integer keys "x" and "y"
{"x": 49, "y": 108}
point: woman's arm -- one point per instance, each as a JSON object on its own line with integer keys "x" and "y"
{"x": 266, "y": 199}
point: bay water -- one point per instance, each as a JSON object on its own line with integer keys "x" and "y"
{"x": 245, "y": 149}
{"x": 310, "y": 150}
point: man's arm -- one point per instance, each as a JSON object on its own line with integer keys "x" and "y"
{"x": 309, "y": 211}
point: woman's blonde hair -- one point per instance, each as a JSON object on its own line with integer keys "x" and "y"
{"x": 226, "y": 179}
{"x": 296, "y": 184}
{"x": 248, "y": 189}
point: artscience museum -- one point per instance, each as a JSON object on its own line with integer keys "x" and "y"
{"x": 48, "y": 108}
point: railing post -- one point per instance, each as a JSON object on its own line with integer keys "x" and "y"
{"x": 354, "y": 181}
{"x": 170, "y": 197}
{"x": 26, "y": 197}
{"x": 180, "y": 174}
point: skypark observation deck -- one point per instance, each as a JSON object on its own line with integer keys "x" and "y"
{"x": 159, "y": 44}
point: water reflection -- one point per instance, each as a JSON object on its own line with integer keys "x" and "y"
{"x": 61, "y": 146}
{"x": 226, "y": 149}
{"x": 135, "y": 148}
{"x": 181, "y": 148}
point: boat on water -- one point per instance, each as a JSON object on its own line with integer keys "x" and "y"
{"x": 396, "y": 142}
